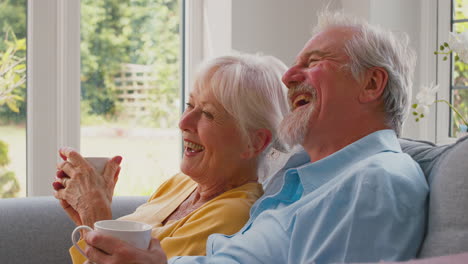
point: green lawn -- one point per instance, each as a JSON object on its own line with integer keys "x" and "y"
{"x": 147, "y": 160}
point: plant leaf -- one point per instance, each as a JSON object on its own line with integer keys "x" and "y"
{"x": 11, "y": 103}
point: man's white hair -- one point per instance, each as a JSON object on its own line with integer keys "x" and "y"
{"x": 373, "y": 46}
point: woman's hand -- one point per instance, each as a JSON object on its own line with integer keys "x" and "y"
{"x": 85, "y": 194}
{"x": 104, "y": 249}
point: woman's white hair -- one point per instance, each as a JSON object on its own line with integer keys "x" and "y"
{"x": 250, "y": 89}
{"x": 373, "y": 46}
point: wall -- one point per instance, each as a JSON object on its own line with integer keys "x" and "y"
{"x": 402, "y": 16}
{"x": 274, "y": 27}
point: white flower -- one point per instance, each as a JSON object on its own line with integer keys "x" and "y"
{"x": 459, "y": 44}
{"x": 423, "y": 109}
{"x": 424, "y": 99}
{"x": 427, "y": 95}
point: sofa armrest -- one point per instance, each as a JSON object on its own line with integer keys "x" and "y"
{"x": 37, "y": 230}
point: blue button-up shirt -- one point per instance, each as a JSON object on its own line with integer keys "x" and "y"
{"x": 366, "y": 202}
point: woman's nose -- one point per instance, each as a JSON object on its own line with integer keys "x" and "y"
{"x": 188, "y": 121}
{"x": 293, "y": 76}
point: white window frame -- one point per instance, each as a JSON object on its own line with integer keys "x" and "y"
{"x": 444, "y": 69}
{"x": 435, "y": 26}
{"x": 53, "y": 88}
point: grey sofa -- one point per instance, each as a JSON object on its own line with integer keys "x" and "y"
{"x": 36, "y": 230}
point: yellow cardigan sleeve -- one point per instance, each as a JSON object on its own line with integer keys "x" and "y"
{"x": 226, "y": 216}
{"x": 75, "y": 255}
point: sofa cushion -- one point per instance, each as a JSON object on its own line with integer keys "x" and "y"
{"x": 446, "y": 168}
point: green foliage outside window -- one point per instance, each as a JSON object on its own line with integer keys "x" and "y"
{"x": 12, "y": 61}
{"x": 116, "y": 32}
{"x": 113, "y": 32}
{"x": 12, "y": 88}
{"x": 9, "y": 186}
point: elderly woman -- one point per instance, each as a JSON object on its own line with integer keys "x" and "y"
{"x": 229, "y": 125}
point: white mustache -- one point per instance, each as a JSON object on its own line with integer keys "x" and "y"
{"x": 302, "y": 87}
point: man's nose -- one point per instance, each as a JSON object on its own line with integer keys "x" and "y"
{"x": 293, "y": 76}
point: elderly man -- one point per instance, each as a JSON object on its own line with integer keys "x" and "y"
{"x": 352, "y": 196}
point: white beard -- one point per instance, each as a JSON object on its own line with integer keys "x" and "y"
{"x": 294, "y": 127}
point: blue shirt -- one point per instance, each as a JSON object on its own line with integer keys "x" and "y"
{"x": 366, "y": 202}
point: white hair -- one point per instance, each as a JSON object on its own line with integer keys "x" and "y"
{"x": 373, "y": 46}
{"x": 250, "y": 89}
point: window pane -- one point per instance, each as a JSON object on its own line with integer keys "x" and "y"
{"x": 460, "y": 71}
{"x": 460, "y": 74}
{"x": 130, "y": 88}
{"x": 460, "y": 9}
{"x": 460, "y": 27}
{"x": 460, "y": 101}
{"x": 12, "y": 98}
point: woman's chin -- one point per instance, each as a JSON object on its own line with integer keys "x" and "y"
{"x": 189, "y": 165}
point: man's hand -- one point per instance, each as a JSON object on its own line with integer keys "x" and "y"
{"x": 104, "y": 249}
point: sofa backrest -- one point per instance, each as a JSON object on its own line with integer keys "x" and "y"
{"x": 37, "y": 230}
{"x": 446, "y": 169}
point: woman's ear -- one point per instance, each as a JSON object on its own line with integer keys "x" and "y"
{"x": 377, "y": 78}
{"x": 260, "y": 139}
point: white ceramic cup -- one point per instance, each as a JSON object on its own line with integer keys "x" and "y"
{"x": 99, "y": 163}
{"x": 134, "y": 233}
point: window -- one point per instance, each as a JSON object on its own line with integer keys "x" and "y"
{"x": 12, "y": 98}
{"x": 452, "y": 76}
{"x": 130, "y": 88}
{"x": 459, "y": 70}
{"x": 53, "y": 115}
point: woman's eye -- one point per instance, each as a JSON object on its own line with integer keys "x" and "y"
{"x": 207, "y": 114}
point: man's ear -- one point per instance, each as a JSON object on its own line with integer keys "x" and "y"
{"x": 376, "y": 79}
{"x": 260, "y": 140}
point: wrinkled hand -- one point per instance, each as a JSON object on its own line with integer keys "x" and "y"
{"x": 103, "y": 249}
{"x": 85, "y": 194}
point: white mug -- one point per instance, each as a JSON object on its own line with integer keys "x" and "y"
{"x": 99, "y": 163}
{"x": 134, "y": 233}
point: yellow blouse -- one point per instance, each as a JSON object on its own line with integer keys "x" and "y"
{"x": 225, "y": 214}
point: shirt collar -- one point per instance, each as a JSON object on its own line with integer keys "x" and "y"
{"x": 315, "y": 174}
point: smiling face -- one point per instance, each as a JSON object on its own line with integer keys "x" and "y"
{"x": 213, "y": 145}
{"x": 329, "y": 92}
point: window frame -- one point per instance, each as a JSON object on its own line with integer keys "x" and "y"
{"x": 53, "y": 88}
{"x": 444, "y": 74}
{"x": 435, "y": 14}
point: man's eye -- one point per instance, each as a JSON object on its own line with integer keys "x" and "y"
{"x": 189, "y": 105}
{"x": 312, "y": 62}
